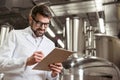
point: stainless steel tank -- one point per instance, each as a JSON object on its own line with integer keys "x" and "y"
{"x": 108, "y": 47}
{"x": 5, "y": 28}
{"x": 89, "y": 68}
{"x": 4, "y": 31}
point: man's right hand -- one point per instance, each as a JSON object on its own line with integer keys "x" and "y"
{"x": 35, "y": 58}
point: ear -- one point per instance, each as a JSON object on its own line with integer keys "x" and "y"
{"x": 30, "y": 19}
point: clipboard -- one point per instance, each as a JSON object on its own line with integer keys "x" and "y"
{"x": 57, "y": 55}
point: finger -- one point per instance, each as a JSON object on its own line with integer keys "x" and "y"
{"x": 57, "y": 70}
{"x": 39, "y": 54}
{"x": 58, "y": 64}
{"x": 56, "y": 67}
{"x": 38, "y": 58}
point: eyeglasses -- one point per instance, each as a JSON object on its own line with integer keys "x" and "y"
{"x": 39, "y": 23}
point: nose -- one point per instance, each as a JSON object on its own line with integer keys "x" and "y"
{"x": 42, "y": 26}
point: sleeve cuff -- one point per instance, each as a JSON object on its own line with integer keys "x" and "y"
{"x": 53, "y": 78}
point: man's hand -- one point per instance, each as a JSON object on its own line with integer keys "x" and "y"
{"x": 56, "y": 68}
{"x": 35, "y": 58}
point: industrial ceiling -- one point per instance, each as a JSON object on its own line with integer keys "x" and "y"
{"x": 15, "y": 12}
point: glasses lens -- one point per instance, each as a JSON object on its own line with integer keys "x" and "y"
{"x": 40, "y": 23}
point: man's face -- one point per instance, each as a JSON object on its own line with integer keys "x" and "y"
{"x": 39, "y": 25}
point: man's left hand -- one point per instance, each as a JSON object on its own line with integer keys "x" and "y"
{"x": 56, "y": 68}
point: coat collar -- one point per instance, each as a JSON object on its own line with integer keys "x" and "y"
{"x": 30, "y": 35}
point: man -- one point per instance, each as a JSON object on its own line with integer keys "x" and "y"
{"x": 23, "y": 49}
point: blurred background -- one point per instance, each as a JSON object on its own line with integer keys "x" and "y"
{"x": 90, "y": 27}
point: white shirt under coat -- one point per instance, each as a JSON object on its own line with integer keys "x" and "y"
{"x": 19, "y": 45}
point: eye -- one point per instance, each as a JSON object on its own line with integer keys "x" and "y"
{"x": 46, "y": 24}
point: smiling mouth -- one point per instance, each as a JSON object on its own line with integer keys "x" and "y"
{"x": 40, "y": 31}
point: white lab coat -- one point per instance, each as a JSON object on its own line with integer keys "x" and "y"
{"x": 17, "y": 48}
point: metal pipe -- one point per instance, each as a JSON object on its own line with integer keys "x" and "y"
{"x": 75, "y": 33}
{"x": 69, "y": 33}
{"x": 4, "y": 33}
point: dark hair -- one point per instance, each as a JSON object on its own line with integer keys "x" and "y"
{"x": 41, "y": 9}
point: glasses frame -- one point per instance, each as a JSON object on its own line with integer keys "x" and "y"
{"x": 40, "y": 23}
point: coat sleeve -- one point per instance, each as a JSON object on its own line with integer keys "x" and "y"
{"x": 49, "y": 77}
{"x": 8, "y": 64}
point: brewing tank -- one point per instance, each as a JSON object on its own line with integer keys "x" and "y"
{"x": 83, "y": 65}
{"x": 5, "y": 28}
{"x": 89, "y": 68}
{"x": 108, "y": 47}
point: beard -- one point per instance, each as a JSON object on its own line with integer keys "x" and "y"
{"x": 38, "y": 32}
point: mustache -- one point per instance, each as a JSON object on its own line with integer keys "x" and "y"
{"x": 40, "y": 29}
